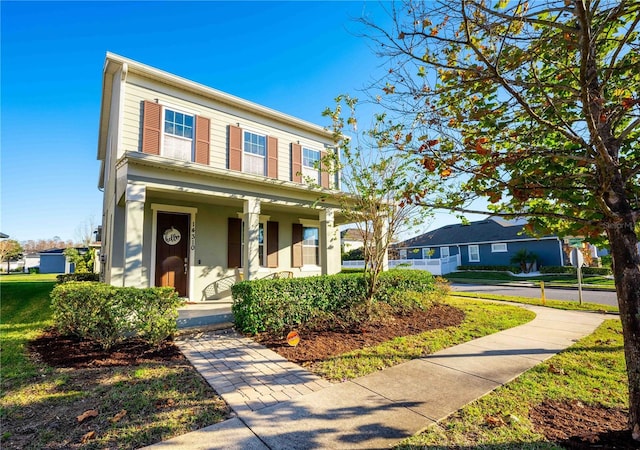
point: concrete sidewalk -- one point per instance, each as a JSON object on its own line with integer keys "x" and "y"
{"x": 279, "y": 405}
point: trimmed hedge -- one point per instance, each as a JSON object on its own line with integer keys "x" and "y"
{"x": 278, "y": 305}
{"x": 82, "y": 276}
{"x": 512, "y": 269}
{"x": 572, "y": 270}
{"x": 109, "y": 314}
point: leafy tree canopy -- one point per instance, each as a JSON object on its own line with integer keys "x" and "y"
{"x": 533, "y": 105}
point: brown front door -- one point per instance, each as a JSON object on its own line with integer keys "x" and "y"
{"x": 172, "y": 251}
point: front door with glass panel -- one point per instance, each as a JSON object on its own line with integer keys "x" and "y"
{"x": 172, "y": 251}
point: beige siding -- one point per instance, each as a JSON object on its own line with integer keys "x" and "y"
{"x": 139, "y": 89}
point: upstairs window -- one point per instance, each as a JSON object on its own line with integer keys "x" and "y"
{"x": 311, "y": 165}
{"x": 174, "y": 134}
{"x": 178, "y": 135}
{"x": 178, "y": 124}
{"x": 254, "y": 153}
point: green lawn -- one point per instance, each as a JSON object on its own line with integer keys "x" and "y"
{"x": 24, "y": 313}
{"x": 39, "y": 404}
{"x": 591, "y": 372}
{"x": 558, "y": 304}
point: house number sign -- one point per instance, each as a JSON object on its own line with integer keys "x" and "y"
{"x": 171, "y": 236}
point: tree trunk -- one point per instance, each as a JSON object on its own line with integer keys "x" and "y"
{"x": 626, "y": 270}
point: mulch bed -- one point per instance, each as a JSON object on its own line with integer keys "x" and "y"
{"x": 576, "y": 426}
{"x": 56, "y": 350}
{"x": 320, "y": 345}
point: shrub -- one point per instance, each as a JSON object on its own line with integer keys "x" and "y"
{"x": 278, "y": 305}
{"x": 572, "y": 270}
{"x": 34, "y": 269}
{"x": 512, "y": 269}
{"x": 596, "y": 270}
{"x": 357, "y": 254}
{"x": 66, "y": 277}
{"x": 109, "y": 314}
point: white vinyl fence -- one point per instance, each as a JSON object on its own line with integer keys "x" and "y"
{"x": 439, "y": 266}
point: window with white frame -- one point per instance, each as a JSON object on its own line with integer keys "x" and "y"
{"x": 500, "y": 247}
{"x": 178, "y": 135}
{"x": 310, "y": 165}
{"x": 262, "y": 242}
{"x": 310, "y": 246}
{"x": 254, "y": 153}
{"x": 427, "y": 252}
{"x": 444, "y": 252}
{"x": 474, "y": 253}
{"x": 403, "y": 253}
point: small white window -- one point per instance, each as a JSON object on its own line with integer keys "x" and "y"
{"x": 310, "y": 165}
{"x": 474, "y": 253}
{"x": 499, "y": 248}
{"x": 444, "y": 252}
{"x": 178, "y": 135}
{"x": 310, "y": 246}
{"x": 254, "y": 153}
{"x": 427, "y": 252}
{"x": 403, "y": 254}
{"x": 262, "y": 242}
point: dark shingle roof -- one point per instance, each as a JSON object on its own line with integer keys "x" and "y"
{"x": 488, "y": 230}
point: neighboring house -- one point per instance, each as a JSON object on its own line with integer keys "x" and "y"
{"x": 31, "y": 260}
{"x": 490, "y": 242}
{"x": 352, "y": 238}
{"x": 54, "y": 261}
{"x": 202, "y": 187}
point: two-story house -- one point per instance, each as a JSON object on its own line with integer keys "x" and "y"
{"x": 201, "y": 186}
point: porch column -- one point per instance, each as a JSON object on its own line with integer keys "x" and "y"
{"x": 251, "y": 238}
{"x": 134, "y": 274}
{"x": 329, "y": 243}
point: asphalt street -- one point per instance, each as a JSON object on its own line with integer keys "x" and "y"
{"x": 601, "y": 297}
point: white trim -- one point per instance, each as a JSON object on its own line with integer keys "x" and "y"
{"x": 263, "y": 217}
{"x": 497, "y": 247}
{"x": 469, "y": 251}
{"x": 157, "y": 207}
{"x": 309, "y": 223}
{"x": 448, "y": 251}
{"x": 555, "y": 238}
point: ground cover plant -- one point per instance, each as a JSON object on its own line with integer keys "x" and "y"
{"x": 577, "y": 399}
{"x": 60, "y": 392}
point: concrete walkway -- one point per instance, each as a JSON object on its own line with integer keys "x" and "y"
{"x": 279, "y": 405}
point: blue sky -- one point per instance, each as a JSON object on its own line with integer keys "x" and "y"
{"x": 294, "y": 57}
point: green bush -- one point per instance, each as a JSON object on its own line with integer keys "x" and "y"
{"x": 512, "y": 269}
{"x": 66, "y": 277}
{"x": 278, "y": 305}
{"x": 572, "y": 270}
{"x": 596, "y": 271}
{"x": 34, "y": 269}
{"x": 109, "y": 314}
